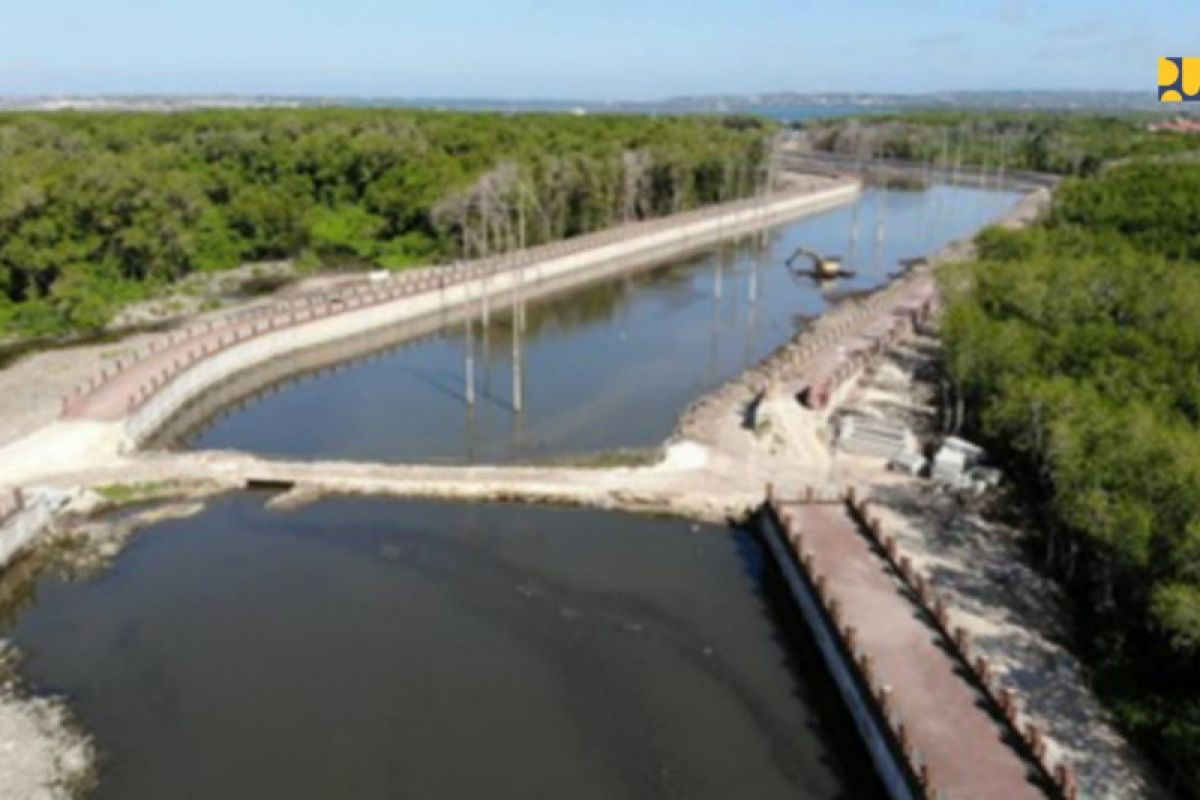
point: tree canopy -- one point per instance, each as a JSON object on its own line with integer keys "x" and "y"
{"x": 99, "y": 209}
{"x": 1077, "y": 347}
{"x": 1060, "y": 143}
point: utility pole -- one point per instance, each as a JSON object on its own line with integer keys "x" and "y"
{"x": 880, "y": 227}
{"x": 958, "y": 147}
{"x": 521, "y": 223}
{"x": 1003, "y": 157}
{"x": 470, "y": 363}
{"x": 883, "y": 213}
{"x": 713, "y": 341}
{"x": 852, "y": 249}
{"x": 485, "y": 311}
{"x": 517, "y": 325}
{"x": 469, "y": 350}
{"x": 854, "y": 221}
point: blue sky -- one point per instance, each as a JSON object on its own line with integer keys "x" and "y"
{"x": 588, "y": 49}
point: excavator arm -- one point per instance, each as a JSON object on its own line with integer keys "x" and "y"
{"x": 804, "y": 252}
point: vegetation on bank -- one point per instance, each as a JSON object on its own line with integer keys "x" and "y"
{"x": 1059, "y": 143}
{"x": 123, "y": 494}
{"x": 1076, "y": 349}
{"x": 99, "y": 210}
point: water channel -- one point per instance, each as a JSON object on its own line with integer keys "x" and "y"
{"x": 605, "y": 367}
{"x": 376, "y": 649}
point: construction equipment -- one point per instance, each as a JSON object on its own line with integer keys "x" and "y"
{"x": 823, "y": 267}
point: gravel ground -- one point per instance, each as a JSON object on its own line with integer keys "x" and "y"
{"x": 42, "y": 755}
{"x": 1016, "y": 617}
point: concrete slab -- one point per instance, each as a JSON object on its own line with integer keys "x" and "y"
{"x": 967, "y": 749}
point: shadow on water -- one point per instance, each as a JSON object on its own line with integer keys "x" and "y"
{"x": 438, "y": 380}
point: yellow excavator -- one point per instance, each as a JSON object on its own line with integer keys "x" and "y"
{"x": 823, "y": 267}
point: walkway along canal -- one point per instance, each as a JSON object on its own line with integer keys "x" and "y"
{"x": 923, "y": 706}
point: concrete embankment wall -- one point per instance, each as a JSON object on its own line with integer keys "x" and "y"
{"x": 900, "y": 663}
{"x": 245, "y": 385}
{"x": 532, "y": 280}
{"x": 837, "y": 163}
{"x": 23, "y": 516}
{"x": 876, "y": 737}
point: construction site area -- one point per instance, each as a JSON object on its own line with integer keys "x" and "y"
{"x": 834, "y": 444}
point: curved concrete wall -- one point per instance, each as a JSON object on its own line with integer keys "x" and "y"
{"x": 26, "y": 519}
{"x": 530, "y": 280}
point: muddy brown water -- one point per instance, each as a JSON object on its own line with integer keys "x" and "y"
{"x": 378, "y": 649}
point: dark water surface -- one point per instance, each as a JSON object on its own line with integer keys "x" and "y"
{"x": 610, "y": 366}
{"x": 372, "y": 649}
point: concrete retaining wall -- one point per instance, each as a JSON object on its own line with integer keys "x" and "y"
{"x": 530, "y": 280}
{"x": 891, "y": 770}
{"x": 964, "y": 175}
{"x": 1027, "y": 736}
{"x": 34, "y": 512}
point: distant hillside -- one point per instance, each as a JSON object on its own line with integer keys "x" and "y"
{"x": 1039, "y": 100}
{"x": 777, "y": 104}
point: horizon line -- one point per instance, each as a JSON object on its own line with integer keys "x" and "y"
{"x": 560, "y": 98}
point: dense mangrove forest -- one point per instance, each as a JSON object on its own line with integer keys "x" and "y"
{"x": 1059, "y": 142}
{"x": 1076, "y": 352}
{"x": 98, "y": 210}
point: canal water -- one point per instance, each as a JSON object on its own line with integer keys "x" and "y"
{"x": 375, "y": 649}
{"x": 605, "y": 367}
